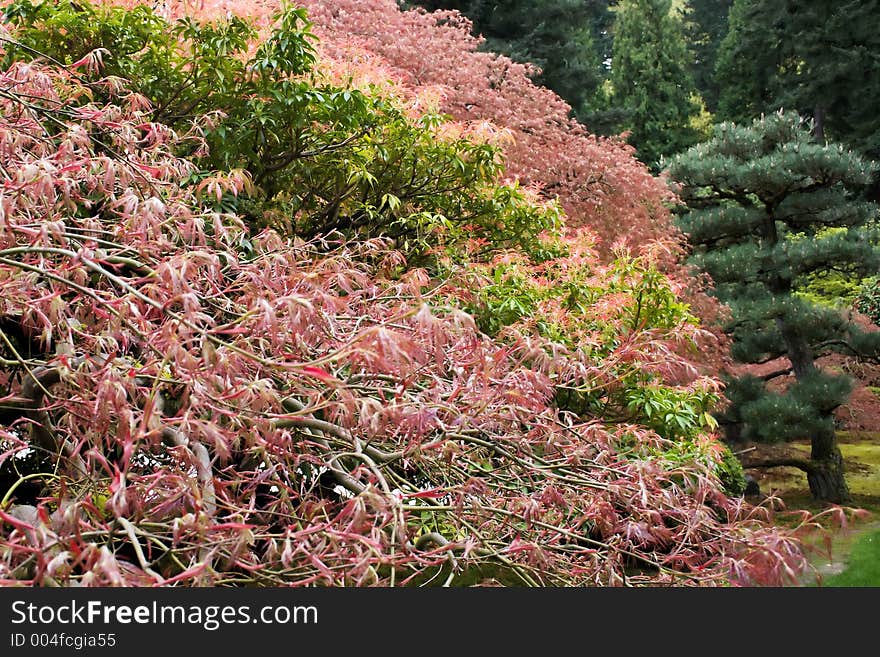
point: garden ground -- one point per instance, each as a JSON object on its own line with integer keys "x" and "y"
{"x": 855, "y": 549}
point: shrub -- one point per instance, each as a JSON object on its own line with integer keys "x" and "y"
{"x": 322, "y": 158}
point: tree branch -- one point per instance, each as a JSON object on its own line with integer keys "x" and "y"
{"x": 34, "y": 388}
{"x": 802, "y": 464}
{"x": 777, "y": 373}
{"x": 846, "y": 345}
{"x": 205, "y": 475}
{"x": 330, "y": 429}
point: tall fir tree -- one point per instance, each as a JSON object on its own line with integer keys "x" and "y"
{"x": 747, "y": 61}
{"x": 819, "y": 58}
{"x": 768, "y": 207}
{"x": 705, "y": 29}
{"x": 651, "y": 80}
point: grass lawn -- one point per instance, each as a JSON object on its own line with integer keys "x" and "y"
{"x": 862, "y": 564}
{"x": 855, "y": 558}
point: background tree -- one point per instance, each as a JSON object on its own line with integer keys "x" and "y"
{"x": 650, "y": 78}
{"x": 767, "y": 208}
{"x": 705, "y": 29}
{"x": 746, "y": 62}
{"x": 821, "y": 59}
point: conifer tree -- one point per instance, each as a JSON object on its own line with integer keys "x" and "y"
{"x": 767, "y": 207}
{"x": 650, "y": 77}
{"x": 705, "y": 28}
{"x": 819, "y": 58}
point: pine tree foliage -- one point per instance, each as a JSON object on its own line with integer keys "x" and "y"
{"x": 768, "y": 207}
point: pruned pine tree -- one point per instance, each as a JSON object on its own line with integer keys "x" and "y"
{"x": 767, "y": 207}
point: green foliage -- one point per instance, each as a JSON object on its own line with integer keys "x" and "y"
{"x": 815, "y": 57}
{"x": 803, "y": 410}
{"x": 705, "y": 28}
{"x": 591, "y": 311}
{"x": 746, "y": 62}
{"x": 651, "y": 80}
{"x": 731, "y": 473}
{"x": 718, "y": 456}
{"x": 513, "y": 293}
{"x": 322, "y": 158}
{"x": 674, "y": 413}
{"x": 868, "y": 299}
{"x": 419, "y": 188}
{"x": 831, "y": 289}
{"x": 771, "y": 213}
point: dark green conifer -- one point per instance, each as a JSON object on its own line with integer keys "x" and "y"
{"x": 651, "y": 80}
{"x": 768, "y": 207}
{"x": 705, "y": 28}
{"x": 819, "y": 58}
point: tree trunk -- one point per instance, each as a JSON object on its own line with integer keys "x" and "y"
{"x": 732, "y": 432}
{"x": 819, "y": 124}
{"x": 826, "y": 475}
{"x": 797, "y": 349}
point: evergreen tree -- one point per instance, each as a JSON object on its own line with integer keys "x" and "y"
{"x": 649, "y": 74}
{"x": 819, "y": 58}
{"x": 747, "y": 60}
{"x": 768, "y": 207}
{"x": 705, "y": 28}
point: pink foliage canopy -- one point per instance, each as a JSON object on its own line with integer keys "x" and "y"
{"x": 598, "y": 180}
{"x": 290, "y": 413}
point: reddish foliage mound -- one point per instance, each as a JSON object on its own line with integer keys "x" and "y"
{"x": 598, "y": 181}
{"x": 209, "y": 407}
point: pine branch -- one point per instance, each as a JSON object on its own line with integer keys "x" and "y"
{"x": 777, "y": 373}
{"x": 802, "y": 464}
{"x": 840, "y": 342}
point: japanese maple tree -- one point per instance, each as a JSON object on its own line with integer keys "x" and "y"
{"x": 190, "y": 397}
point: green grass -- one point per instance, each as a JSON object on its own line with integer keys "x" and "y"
{"x": 863, "y": 564}
{"x": 855, "y": 551}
